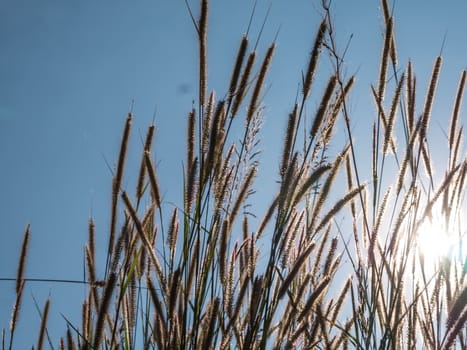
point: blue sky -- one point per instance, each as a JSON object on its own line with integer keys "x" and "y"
{"x": 69, "y": 71}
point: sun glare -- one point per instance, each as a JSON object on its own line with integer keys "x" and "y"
{"x": 438, "y": 240}
{"x": 433, "y": 241}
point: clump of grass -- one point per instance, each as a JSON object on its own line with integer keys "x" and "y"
{"x": 194, "y": 277}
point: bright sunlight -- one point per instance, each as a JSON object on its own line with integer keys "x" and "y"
{"x": 438, "y": 238}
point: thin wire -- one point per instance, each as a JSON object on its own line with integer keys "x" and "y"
{"x": 57, "y": 280}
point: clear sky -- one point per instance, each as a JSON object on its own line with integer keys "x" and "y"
{"x": 69, "y": 71}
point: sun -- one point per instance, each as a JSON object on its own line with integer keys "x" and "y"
{"x": 438, "y": 239}
{"x": 433, "y": 241}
